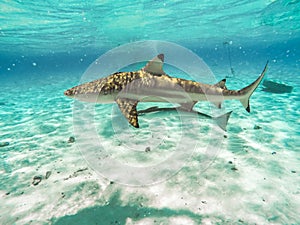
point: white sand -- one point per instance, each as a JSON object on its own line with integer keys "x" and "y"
{"x": 251, "y": 177}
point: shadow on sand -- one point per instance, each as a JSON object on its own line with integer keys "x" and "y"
{"x": 277, "y": 88}
{"x": 115, "y": 212}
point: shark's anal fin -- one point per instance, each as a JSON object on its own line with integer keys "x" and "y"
{"x": 128, "y": 108}
{"x": 218, "y": 104}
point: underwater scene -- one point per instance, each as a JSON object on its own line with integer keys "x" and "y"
{"x": 149, "y": 112}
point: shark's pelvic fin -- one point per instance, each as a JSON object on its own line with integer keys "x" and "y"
{"x": 222, "y": 120}
{"x": 155, "y": 65}
{"x": 248, "y": 91}
{"x": 187, "y": 106}
{"x": 128, "y": 108}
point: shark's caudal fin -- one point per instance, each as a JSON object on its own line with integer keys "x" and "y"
{"x": 248, "y": 91}
{"x": 222, "y": 120}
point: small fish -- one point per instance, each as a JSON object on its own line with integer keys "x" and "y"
{"x": 152, "y": 84}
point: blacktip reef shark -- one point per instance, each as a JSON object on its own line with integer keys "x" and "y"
{"x": 152, "y": 84}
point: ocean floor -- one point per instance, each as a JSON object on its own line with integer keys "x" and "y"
{"x": 247, "y": 175}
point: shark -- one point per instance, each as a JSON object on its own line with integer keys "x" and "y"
{"x": 152, "y": 84}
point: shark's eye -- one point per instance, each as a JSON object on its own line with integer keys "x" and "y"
{"x": 105, "y": 93}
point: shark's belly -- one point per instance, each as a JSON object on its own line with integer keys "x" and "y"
{"x": 96, "y": 98}
{"x": 159, "y": 95}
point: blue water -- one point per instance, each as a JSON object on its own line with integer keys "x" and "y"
{"x": 193, "y": 173}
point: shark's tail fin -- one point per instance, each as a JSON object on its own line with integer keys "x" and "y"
{"x": 248, "y": 91}
{"x": 222, "y": 120}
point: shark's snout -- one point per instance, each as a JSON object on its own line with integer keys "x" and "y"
{"x": 69, "y": 93}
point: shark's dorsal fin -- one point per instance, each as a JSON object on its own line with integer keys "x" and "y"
{"x": 155, "y": 65}
{"x": 128, "y": 108}
{"x": 221, "y": 84}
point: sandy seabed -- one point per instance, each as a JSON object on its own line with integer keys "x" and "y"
{"x": 251, "y": 177}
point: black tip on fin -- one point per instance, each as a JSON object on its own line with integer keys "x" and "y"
{"x": 161, "y": 56}
{"x": 246, "y": 103}
{"x": 222, "y": 120}
{"x": 221, "y": 84}
{"x": 248, "y": 108}
{"x": 155, "y": 65}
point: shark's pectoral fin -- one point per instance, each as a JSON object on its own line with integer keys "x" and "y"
{"x": 128, "y": 108}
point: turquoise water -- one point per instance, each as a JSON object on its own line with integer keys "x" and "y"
{"x": 176, "y": 168}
